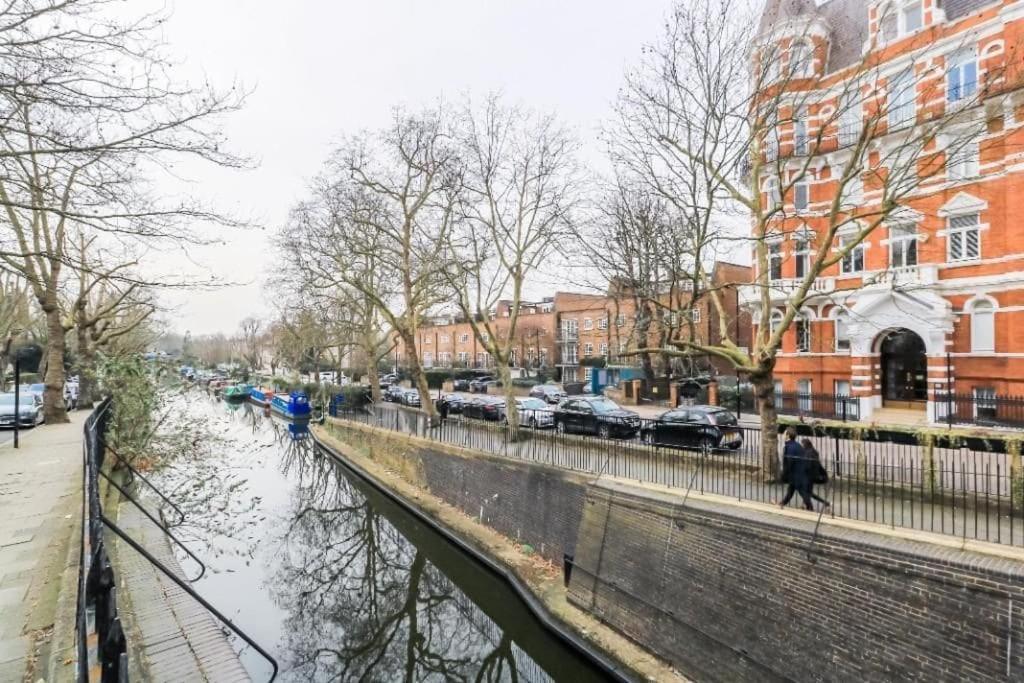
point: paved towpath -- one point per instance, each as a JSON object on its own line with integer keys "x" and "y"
{"x": 40, "y": 530}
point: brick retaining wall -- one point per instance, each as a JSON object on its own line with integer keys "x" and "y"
{"x": 730, "y": 596}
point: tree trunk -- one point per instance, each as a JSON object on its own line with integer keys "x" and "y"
{"x": 419, "y": 378}
{"x": 511, "y": 407}
{"x": 374, "y": 376}
{"x": 53, "y": 397}
{"x": 86, "y": 370}
{"x": 764, "y": 390}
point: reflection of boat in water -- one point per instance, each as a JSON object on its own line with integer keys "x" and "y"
{"x": 298, "y": 430}
{"x": 261, "y": 396}
{"x": 237, "y": 393}
{"x": 294, "y": 407}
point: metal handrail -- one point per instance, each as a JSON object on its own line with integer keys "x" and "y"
{"x": 143, "y": 510}
{"x": 136, "y": 473}
{"x": 191, "y": 591}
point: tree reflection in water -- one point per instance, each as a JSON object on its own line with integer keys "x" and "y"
{"x": 363, "y": 603}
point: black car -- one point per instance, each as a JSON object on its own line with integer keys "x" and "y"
{"x": 454, "y": 402}
{"x": 596, "y": 415}
{"x": 484, "y": 408}
{"x": 461, "y": 384}
{"x": 410, "y": 397}
{"x": 693, "y": 427}
{"x": 480, "y": 384}
{"x": 549, "y": 393}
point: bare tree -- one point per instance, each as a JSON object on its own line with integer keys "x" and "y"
{"x": 519, "y": 191}
{"x": 15, "y": 317}
{"x": 727, "y": 121}
{"x": 252, "y": 343}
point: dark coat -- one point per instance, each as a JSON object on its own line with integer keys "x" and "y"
{"x": 815, "y": 470}
{"x": 796, "y": 468}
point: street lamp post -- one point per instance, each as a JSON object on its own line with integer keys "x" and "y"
{"x": 17, "y": 395}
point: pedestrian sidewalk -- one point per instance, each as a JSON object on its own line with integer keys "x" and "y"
{"x": 40, "y": 527}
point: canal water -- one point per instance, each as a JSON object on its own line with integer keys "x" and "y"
{"x": 330, "y": 576}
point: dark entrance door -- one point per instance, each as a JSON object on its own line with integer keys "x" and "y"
{"x": 904, "y": 370}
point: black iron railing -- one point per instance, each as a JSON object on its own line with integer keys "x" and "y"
{"x": 979, "y": 409}
{"x": 97, "y": 612}
{"x": 825, "y": 406}
{"x": 972, "y": 489}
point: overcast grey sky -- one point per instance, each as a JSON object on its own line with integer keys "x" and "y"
{"x": 322, "y": 69}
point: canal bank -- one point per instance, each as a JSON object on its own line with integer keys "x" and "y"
{"x": 335, "y": 580}
{"x": 530, "y": 568}
{"x": 729, "y": 590}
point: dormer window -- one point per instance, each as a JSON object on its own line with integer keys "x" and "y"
{"x": 899, "y": 19}
{"x": 800, "y": 56}
{"x": 913, "y": 17}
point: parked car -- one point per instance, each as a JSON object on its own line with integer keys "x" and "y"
{"x": 533, "y": 412}
{"x": 704, "y": 427}
{"x": 461, "y": 384}
{"x": 394, "y": 393}
{"x": 410, "y": 397}
{"x": 484, "y": 408}
{"x": 549, "y": 393}
{"x": 480, "y": 384}
{"x": 37, "y": 389}
{"x": 388, "y": 380}
{"x": 30, "y": 410}
{"x": 596, "y": 415}
{"x": 454, "y": 402}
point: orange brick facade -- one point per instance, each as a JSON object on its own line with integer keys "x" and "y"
{"x": 904, "y": 324}
{"x": 561, "y": 332}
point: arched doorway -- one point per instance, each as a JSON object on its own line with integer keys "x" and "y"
{"x": 904, "y": 370}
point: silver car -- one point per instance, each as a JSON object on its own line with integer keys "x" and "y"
{"x": 533, "y": 412}
{"x": 30, "y": 410}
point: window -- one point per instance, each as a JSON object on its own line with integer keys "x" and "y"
{"x": 961, "y": 75}
{"x": 771, "y": 64}
{"x": 803, "y": 390}
{"x": 889, "y": 27}
{"x": 588, "y": 324}
{"x": 588, "y": 372}
{"x": 853, "y": 193}
{"x": 778, "y": 390}
{"x": 800, "y": 134}
{"x": 913, "y": 17}
{"x": 962, "y": 161}
{"x": 463, "y": 338}
{"x": 445, "y": 339}
{"x": 481, "y": 359}
{"x": 802, "y": 254}
{"x": 620, "y": 320}
{"x": 902, "y": 245}
{"x": 853, "y": 261}
{"x": 427, "y": 340}
{"x": 901, "y": 98}
{"x": 571, "y": 354}
{"x": 801, "y": 195}
{"x": 485, "y": 337}
{"x": 428, "y": 359}
{"x": 569, "y": 375}
{"x": 773, "y": 198}
{"x": 850, "y": 120}
{"x": 775, "y": 261}
{"x": 602, "y": 323}
{"x": 985, "y": 403}
{"x": 800, "y": 60}
{"x": 983, "y": 327}
{"x": 964, "y": 238}
{"x": 463, "y": 357}
{"x": 588, "y": 349}
{"x": 695, "y": 315}
{"x": 842, "y": 331}
{"x": 803, "y": 335}
{"x": 842, "y": 388}
{"x": 775, "y": 320}
{"x": 604, "y": 349}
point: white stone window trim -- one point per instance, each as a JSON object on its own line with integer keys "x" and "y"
{"x": 982, "y": 346}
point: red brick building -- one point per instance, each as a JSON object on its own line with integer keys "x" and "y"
{"x": 934, "y": 299}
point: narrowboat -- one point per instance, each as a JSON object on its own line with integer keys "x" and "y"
{"x": 295, "y": 406}
{"x": 261, "y": 396}
{"x": 236, "y": 393}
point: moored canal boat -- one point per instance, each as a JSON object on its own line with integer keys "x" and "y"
{"x": 261, "y": 396}
{"x": 294, "y": 406}
{"x": 236, "y": 393}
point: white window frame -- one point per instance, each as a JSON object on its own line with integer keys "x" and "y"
{"x": 984, "y": 398}
{"x": 841, "y": 388}
{"x": 588, "y": 349}
{"x": 957, "y": 238}
{"x": 804, "y": 392}
{"x": 773, "y": 196}
{"x": 463, "y": 356}
{"x": 802, "y": 328}
{"x": 695, "y": 315}
{"x": 905, "y": 10}
{"x": 851, "y": 117}
{"x": 588, "y": 324}
{"x": 803, "y": 68}
{"x": 463, "y": 338}
{"x": 904, "y": 239}
{"x": 620, "y": 320}
{"x": 901, "y": 98}
{"x": 983, "y": 326}
{"x": 848, "y": 264}
{"x": 961, "y": 75}
{"x": 852, "y": 194}
{"x": 602, "y": 323}
{"x": 964, "y": 161}
{"x": 604, "y": 348}
{"x": 802, "y": 255}
{"x": 775, "y": 256}
{"x": 801, "y": 138}
{"x": 805, "y": 185}
{"x": 842, "y": 331}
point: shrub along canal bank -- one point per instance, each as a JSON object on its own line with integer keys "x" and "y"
{"x": 336, "y": 580}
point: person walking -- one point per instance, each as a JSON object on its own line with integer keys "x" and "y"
{"x": 795, "y": 471}
{"x": 815, "y": 470}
